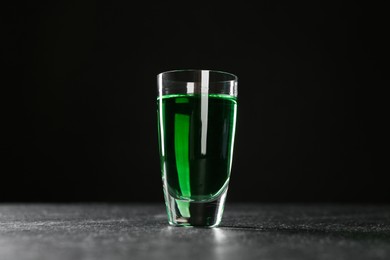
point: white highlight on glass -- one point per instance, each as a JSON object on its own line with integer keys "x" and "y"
{"x": 190, "y": 87}
{"x": 162, "y": 134}
{"x": 204, "y": 109}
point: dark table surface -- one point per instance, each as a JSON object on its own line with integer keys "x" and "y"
{"x": 140, "y": 231}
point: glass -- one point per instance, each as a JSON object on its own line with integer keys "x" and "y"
{"x": 196, "y": 122}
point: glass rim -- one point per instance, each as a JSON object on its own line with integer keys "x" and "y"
{"x": 234, "y": 77}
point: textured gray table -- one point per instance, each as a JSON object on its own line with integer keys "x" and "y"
{"x": 248, "y": 231}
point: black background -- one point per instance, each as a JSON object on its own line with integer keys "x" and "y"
{"x": 78, "y": 114}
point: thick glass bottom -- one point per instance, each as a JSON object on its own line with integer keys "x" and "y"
{"x": 195, "y": 214}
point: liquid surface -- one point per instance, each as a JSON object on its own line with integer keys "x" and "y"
{"x": 196, "y": 135}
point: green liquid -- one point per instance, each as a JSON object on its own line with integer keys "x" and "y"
{"x": 196, "y": 135}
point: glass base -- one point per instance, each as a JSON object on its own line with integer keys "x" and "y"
{"x": 195, "y": 214}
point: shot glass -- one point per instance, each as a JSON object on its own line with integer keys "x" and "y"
{"x": 197, "y": 111}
